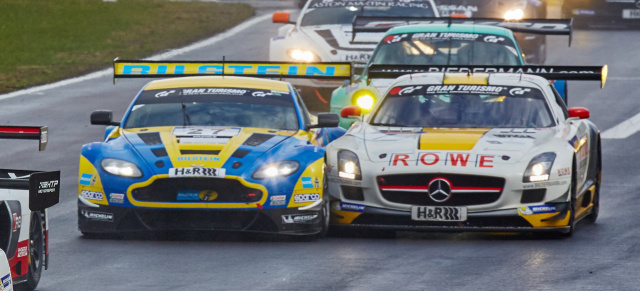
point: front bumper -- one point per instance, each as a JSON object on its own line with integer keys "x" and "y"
{"x": 116, "y": 219}
{"x": 508, "y": 220}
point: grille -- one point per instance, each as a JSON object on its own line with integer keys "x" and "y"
{"x": 166, "y": 219}
{"x": 465, "y": 189}
{"x": 194, "y": 189}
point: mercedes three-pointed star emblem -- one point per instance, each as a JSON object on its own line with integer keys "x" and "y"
{"x": 439, "y": 190}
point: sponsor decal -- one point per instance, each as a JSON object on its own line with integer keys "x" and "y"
{"x": 196, "y": 172}
{"x": 23, "y": 252}
{"x": 229, "y": 68}
{"x": 116, "y": 198}
{"x": 537, "y": 209}
{"x": 310, "y": 183}
{"x": 164, "y": 93}
{"x": 198, "y": 158}
{"x": 6, "y": 281}
{"x": 394, "y": 38}
{"x": 91, "y": 195}
{"x": 298, "y": 218}
{"x": 278, "y": 200}
{"x": 197, "y": 195}
{"x": 361, "y": 57}
{"x": 519, "y": 91}
{"x": 352, "y": 207}
{"x": 345, "y": 181}
{"x": 447, "y": 10}
{"x": 48, "y": 186}
{"x": 213, "y": 91}
{"x": 87, "y": 179}
{"x": 564, "y": 172}
{"x": 451, "y": 159}
{"x": 94, "y": 215}
{"x": 301, "y": 198}
{"x": 493, "y": 39}
{"x": 546, "y": 184}
{"x": 379, "y": 3}
{"x": 17, "y": 222}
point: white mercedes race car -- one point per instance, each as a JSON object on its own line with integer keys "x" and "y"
{"x": 467, "y": 152}
{"x": 24, "y": 227}
{"x": 323, "y": 33}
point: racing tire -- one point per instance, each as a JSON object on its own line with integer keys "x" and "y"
{"x": 36, "y": 252}
{"x": 325, "y": 213}
{"x": 572, "y": 206}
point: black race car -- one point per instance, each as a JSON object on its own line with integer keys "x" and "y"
{"x": 617, "y": 13}
{"x": 533, "y": 46}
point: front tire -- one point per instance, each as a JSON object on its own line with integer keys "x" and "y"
{"x": 36, "y": 252}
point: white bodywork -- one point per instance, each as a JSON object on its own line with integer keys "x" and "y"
{"x": 499, "y": 152}
{"x": 331, "y": 43}
{"x": 6, "y": 283}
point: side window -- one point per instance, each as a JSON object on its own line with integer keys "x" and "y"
{"x": 560, "y": 102}
{"x": 303, "y": 108}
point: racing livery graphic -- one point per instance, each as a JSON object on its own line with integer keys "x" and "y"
{"x": 437, "y": 42}
{"x": 467, "y": 151}
{"x": 24, "y": 198}
{"x": 210, "y": 153}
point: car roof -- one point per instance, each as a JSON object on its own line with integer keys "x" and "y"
{"x": 219, "y": 81}
{"x": 464, "y": 28}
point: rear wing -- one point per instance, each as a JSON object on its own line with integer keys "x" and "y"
{"x": 25, "y": 132}
{"x": 582, "y": 73}
{"x": 44, "y": 187}
{"x": 163, "y": 69}
{"x": 376, "y": 24}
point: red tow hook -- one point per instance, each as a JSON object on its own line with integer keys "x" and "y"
{"x": 259, "y": 206}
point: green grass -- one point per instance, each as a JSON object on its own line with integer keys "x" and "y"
{"x": 42, "y": 41}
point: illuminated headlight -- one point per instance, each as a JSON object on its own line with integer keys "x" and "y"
{"x": 301, "y": 55}
{"x": 121, "y": 168}
{"x": 348, "y": 165}
{"x": 514, "y": 14}
{"x": 277, "y": 169}
{"x": 364, "y": 99}
{"x": 539, "y": 168}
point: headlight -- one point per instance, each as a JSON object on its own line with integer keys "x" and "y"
{"x": 348, "y": 165}
{"x": 277, "y": 169}
{"x": 121, "y": 168}
{"x": 301, "y": 55}
{"x": 539, "y": 168}
{"x": 364, "y": 99}
{"x": 514, "y": 14}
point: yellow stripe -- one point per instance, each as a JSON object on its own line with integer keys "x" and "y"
{"x": 450, "y": 139}
{"x": 217, "y": 81}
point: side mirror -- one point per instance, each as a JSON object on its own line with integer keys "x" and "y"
{"x": 281, "y": 17}
{"x": 326, "y": 120}
{"x": 102, "y": 117}
{"x": 580, "y": 112}
{"x": 350, "y": 112}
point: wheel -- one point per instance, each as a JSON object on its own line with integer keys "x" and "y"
{"x": 324, "y": 219}
{"x": 36, "y": 252}
{"x": 572, "y": 205}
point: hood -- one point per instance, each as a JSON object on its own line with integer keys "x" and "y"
{"x": 194, "y": 146}
{"x": 338, "y": 39}
{"x": 473, "y": 146}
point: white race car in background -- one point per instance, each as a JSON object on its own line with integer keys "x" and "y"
{"x": 472, "y": 152}
{"x": 24, "y": 227}
{"x": 323, "y": 33}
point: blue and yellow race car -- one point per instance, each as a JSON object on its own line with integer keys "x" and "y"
{"x": 228, "y": 153}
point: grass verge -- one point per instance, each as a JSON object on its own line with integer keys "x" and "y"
{"x": 42, "y": 41}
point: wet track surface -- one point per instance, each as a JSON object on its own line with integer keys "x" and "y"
{"x": 605, "y": 255}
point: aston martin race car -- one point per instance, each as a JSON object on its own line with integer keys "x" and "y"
{"x": 220, "y": 152}
{"x": 460, "y": 42}
{"x": 467, "y": 152}
{"x": 533, "y": 46}
{"x": 24, "y": 198}
{"x": 603, "y": 12}
{"x": 323, "y": 32}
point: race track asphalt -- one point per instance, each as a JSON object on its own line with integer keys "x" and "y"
{"x": 605, "y": 255}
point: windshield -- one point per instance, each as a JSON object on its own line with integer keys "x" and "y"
{"x": 214, "y": 107}
{"x": 446, "y": 48}
{"x": 322, "y": 12}
{"x": 464, "y": 106}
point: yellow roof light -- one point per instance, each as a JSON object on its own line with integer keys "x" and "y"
{"x": 466, "y": 79}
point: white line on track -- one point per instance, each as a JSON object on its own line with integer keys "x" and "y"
{"x": 624, "y": 129}
{"x": 162, "y": 56}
